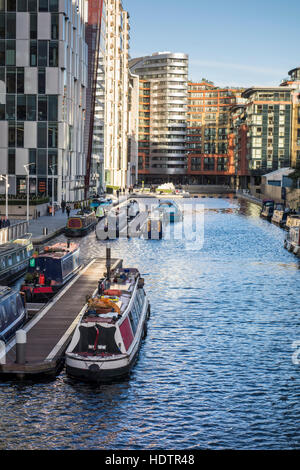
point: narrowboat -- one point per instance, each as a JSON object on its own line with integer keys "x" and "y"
{"x": 13, "y": 313}
{"x": 81, "y": 224}
{"x": 171, "y": 210}
{"x": 133, "y": 209}
{"x": 104, "y": 202}
{"x": 108, "y": 337}
{"x": 267, "y": 209}
{"x": 14, "y": 259}
{"x": 292, "y": 240}
{"x": 50, "y": 270}
{"x": 293, "y": 220}
{"x": 280, "y": 215}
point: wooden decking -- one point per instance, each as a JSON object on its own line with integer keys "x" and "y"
{"x": 50, "y": 330}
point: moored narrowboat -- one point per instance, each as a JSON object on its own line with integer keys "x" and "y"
{"x": 108, "y": 337}
{"x": 50, "y": 270}
{"x": 280, "y": 215}
{"x": 292, "y": 240}
{"x": 293, "y": 220}
{"x": 14, "y": 259}
{"x": 81, "y": 224}
{"x": 13, "y": 313}
{"x": 267, "y": 209}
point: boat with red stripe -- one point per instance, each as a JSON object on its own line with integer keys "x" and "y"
{"x": 108, "y": 337}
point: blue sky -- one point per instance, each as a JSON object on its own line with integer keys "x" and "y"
{"x": 231, "y": 42}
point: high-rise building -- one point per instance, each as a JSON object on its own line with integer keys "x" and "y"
{"x": 95, "y": 96}
{"x": 210, "y": 160}
{"x": 294, "y": 82}
{"x": 43, "y": 64}
{"x": 237, "y": 145}
{"x": 133, "y": 129}
{"x": 162, "y": 116}
{"x": 116, "y": 94}
{"x": 269, "y": 112}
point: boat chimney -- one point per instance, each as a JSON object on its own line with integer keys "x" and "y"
{"x": 108, "y": 262}
{"x": 68, "y": 243}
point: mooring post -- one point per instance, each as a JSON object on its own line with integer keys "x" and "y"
{"x": 2, "y": 353}
{"x": 21, "y": 346}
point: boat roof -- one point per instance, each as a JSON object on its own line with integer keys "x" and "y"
{"x": 5, "y": 290}
{"x": 12, "y": 246}
{"x": 58, "y": 250}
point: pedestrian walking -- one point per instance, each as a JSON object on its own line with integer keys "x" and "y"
{"x": 63, "y": 206}
{"x": 68, "y": 210}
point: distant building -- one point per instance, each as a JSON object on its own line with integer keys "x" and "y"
{"x": 116, "y": 94}
{"x": 294, "y": 83}
{"x": 210, "y": 160}
{"x": 268, "y": 118}
{"x": 43, "y": 77}
{"x": 162, "y": 118}
{"x": 237, "y": 145}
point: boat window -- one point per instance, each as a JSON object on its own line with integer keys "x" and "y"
{"x": 18, "y": 257}
{"x": 3, "y": 263}
{"x": 20, "y": 306}
{"x": 10, "y": 260}
{"x": 4, "y": 314}
{"x": 135, "y": 311}
{"x": 1, "y": 318}
{"x": 132, "y": 322}
{"x": 12, "y": 306}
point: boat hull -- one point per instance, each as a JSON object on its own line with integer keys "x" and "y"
{"x": 80, "y": 232}
{"x": 14, "y": 272}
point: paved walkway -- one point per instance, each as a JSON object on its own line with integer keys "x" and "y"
{"x": 55, "y": 225}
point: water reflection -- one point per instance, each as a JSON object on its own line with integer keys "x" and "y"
{"x": 215, "y": 370}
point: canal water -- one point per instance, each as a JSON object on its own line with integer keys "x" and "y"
{"x": 216, "y": 370}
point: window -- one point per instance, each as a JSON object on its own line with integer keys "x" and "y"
{"x": 54, "y": 26}
{"x": 11, "y": 164}
{"x": 2, "y": 26}
{"x": 43, "y": 5}
{"x": 53, "y": 5}
{"x": 42, "y": 81}
{"x": 11, "y": 5}
{"x": 32, "y": 5}
{"x": 31, "y": 107}
{"x": 42, "y": 108}
{"x": 42, "y": 135}
{"x": 10, "y": 80}
{"x": 33, "y": 26}
{"x": 52, "y": 108}
{"x": 20, "y": 80}
{"x": 42, "y": 162}
{"x": 10, "y": 26}
{"x": 52, "y": 135}
{"x": 52, "y": 162}
{"x": 20, "y": 134}
{"x": 53, "y": 54}
{"x": 21, "y": 107}
{"x": 32, "y": 159}
{"x": 10, "y": 107}
{"x": 2, "y": 52}
{"x": 33, "y": 53}
{"x": 42, "y": 53}
{"x": 209, "y": 163}
{"x": 22, "y": 5}
{"x": 10, "y": 52}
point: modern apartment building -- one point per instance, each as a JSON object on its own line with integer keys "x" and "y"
{"x": 95, "y": 96}
{"x": 162, "y": 116}
{"x": 294, "y": 82}
{"x": 210, "y": 160}
{"x": 43, "y": 77}
{"x": 116, "y": 94}
{"x": 133, "y": 129}
{"x": 269, "y": 113}
{"x": 237, "y": 145}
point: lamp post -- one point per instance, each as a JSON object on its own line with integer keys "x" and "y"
{"x": 5, "y": 178}
{"x": 27, "y": 171}
{"x": 52, "y": 171}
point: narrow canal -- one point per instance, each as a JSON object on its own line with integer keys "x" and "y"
{"x": 216, "y": 368}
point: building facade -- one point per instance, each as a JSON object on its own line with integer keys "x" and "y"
{"x": 162, "y": 116}
{"x": 209, "y": 145}
{"x": 268, "y": 118}
{"x": 43, "y": 77}
{"x": 116, "y": 95}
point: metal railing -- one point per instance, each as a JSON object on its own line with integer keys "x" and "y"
{"x": 18, "y": 230}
